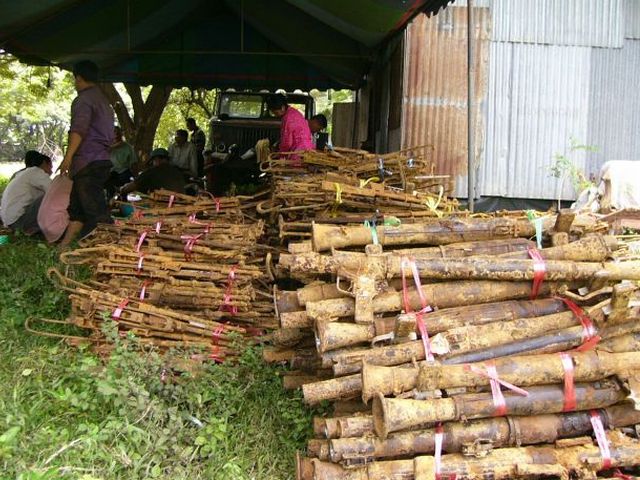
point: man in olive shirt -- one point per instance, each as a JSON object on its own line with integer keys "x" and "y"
{"x": 162, "y": 175}
{"x": 124, "y": 162}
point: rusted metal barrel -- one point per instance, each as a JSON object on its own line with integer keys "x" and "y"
{"x": 478, "y": 435}
{"x": 439, "y": 232}
{"x": 523, "y": 371}
{"x": 392, "y": 415}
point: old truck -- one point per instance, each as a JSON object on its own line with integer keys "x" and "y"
{"x": 240, "y": 120}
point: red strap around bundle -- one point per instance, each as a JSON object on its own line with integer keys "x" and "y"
{"x": 539, "y": 272}
{"x": 171, "y": 200}
{"x": 188, "y": 246}
{"x": 494, "y": 381}
{"x": 117, "y": 313}
{"x": 601, "y": 438}
{"x": 143, "y": 235}
{"x": 140, "y": 260}
{"x": 439, "y": 440}
{"x": 590, "y": 337}
{"x": 569, "y": 386}
{"x": 158, "y": 226}
{"x": 227, "y": 301}
{"x": 424, "y": 334}
{"x": 215, "y": 349}
{"x": 619, "y": 474}
{"x": 217, "y": 200}
{"x": 143, "y": 289}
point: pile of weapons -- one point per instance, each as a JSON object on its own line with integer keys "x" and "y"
{"x": 176, "y": 274}
{"x": 459, "y": 349}
{"x": 352, "y": 186}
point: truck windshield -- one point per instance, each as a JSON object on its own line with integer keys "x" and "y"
{"x": 241, "y": 106}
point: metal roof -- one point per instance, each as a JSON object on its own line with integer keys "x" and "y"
{"x": 248, "y": 43}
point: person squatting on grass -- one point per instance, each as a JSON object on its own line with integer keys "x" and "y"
{"x": 87, "y": 159}
{"x": 23, "y": 195}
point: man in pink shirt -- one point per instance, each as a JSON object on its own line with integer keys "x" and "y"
{"x": 295, "y": 135}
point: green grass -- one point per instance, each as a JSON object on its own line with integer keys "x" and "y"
{"x": 64, "y": 414}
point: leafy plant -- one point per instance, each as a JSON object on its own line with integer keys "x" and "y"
{"x": 564, "y": 167}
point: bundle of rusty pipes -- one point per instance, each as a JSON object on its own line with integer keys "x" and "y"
{"x": 444, "y": 359}
{"x": 352, "y": 186}
{"x": 177, "y": 274}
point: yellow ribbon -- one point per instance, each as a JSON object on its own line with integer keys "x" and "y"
{"x": 433, "y": 205}
{"x": 364, "y": 183}
{"x": 338, "y": 192}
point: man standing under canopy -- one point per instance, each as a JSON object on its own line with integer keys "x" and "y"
{"x": 87, "y": 159}
{"x": 295, "y": 134}
{"x": 198, "y": 139}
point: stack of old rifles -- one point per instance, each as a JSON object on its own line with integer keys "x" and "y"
{"x": 181, "y": 272}
{"x": 460, "y": 349}
{"x": 352, "y": 186}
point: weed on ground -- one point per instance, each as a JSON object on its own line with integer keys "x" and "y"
{"x": 66, "y": 414}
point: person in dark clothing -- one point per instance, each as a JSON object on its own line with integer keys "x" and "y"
{"x": 87, "y": 159}
{"x": 199, "y": 139}
{"x": 162, "y": 175}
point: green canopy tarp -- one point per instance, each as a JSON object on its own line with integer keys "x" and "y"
{"x": 213, "y": 43}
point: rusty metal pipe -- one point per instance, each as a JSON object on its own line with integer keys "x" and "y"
{"x": 392, "y": 415}
{"x": 491, "y": 432}
{"x": 523, "y": 371}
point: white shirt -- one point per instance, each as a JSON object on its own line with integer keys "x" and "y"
{"x": 25, "y": 188}
{"x": 185, "y": 157}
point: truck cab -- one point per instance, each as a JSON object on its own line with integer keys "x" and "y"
{"x": 242, "y": 118}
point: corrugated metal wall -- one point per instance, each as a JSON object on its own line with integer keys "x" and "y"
{"x": 435, "y": 93}
{"x": 557, "y": 70}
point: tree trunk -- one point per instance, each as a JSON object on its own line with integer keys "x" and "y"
{"x": 140, "y": 130}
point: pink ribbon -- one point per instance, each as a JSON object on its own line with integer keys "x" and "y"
{"x": 491, "y": 373}
{"x": 601, "y": 438}
{"x": 117, "y": 313}
{"x": 158, "y": 226}
{"x": 227, "y": 303}
{"x": 215, "y": 349}
{"x": 569, "y": 386}
{"x": 217, "y": 200}
{"x": 143, "y": 235}
{"x": 422, "y": 328}
{"x": 143, "y": 290}
{"x": 590, "y": 337}
{"x": 140, "y": 259}
{"x": 171, "y": 199}
{"x": 190, "y": 243}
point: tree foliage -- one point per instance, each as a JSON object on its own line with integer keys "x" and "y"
{"x": 34, "y": 108}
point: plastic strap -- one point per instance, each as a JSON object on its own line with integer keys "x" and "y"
{"x": 227, "y": 303}
{"x": 538, "y": 224}
{"x": 569, "y": 386}
{"x": 439, "y": 439}
{"x": 140, "y": 260}
{"x": 171, "y": 200}
{"x": 364, "y": 183}
{"x": 158, "y": 226}
{"x": 590, "y": 337}
{"x": 195, "y": 221}
{"x": 619, "y": 474}
{"x": 338, "y": 192}
{"x": 143, "y": 289}
{"x": 381, "y": 171}
{"x": 215, "y": 350}
{"x": 422, "y": 328}
{"x": 494, "y": 381}
{"x": 601, "y": 438}
{"x": 217, "y": 201}
{"x": 117, "y": 313}
{"x": 137, "y": 213}
{"x": 188, "y": 246}
{"x": 374, "y": 232}
{"x": 143, "y": 235}
{"x": 539, "y": 271}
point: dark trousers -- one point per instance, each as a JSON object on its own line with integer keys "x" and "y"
{"x": 117, "y": 180}
{"x": 87, "y": 203}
